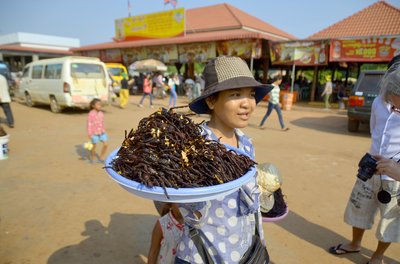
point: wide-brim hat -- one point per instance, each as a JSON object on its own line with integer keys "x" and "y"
{"x": 225, "y": 73}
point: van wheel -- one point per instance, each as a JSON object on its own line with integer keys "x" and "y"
{"x": 353, "y": 125}
{"x": 54, "y": 106}
{"x": 28, "y": 100}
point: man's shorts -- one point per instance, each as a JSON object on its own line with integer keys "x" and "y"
{"x": 363, "y": 206}
{"x": 96, "y": 138}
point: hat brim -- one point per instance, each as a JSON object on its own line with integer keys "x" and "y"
{"x": 199, "y": 104}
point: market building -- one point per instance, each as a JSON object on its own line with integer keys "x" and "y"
{"x": 370, "y": 36}
{"x": 18, "y": 49}
{"x": 225, "y": 31}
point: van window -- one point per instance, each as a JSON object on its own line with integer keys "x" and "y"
{"x": 37, "y": 72}
{"x": 26, "y": 72}
{"x": 53, "y": 71}
{"x": 116, "y": 71}
{"x": 87, "y": 71}
{"x": 370, "y": 83}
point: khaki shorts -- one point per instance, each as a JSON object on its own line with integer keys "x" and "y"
{"x": 363, "y": 206}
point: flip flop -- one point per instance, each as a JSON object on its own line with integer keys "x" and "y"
{"x": 342, "y": 251}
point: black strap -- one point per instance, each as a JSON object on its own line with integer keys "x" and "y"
{"x": 198, "y": 242}
{"x": 201, "y": 249}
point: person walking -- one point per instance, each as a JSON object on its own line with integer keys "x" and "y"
{"x": 5, "y": 101}
{"x": 366, "y": 197}
{"x": 326, "y": 94}
{"x": 173, "y": 83}
{"x": 147, "y": 90}
{"x": 96, "y": 130}
{"x": 273, "y": 103}
{"x": 124, "y": 91}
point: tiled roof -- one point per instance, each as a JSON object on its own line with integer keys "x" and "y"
{"x": 378, "y": 19}
{"x": 34, "y": 49}
{"x": 189, "y": 38}
{"x": 225, "y": 16}
{"x": 210, "y": 23}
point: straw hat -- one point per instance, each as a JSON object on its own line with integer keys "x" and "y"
{"x": 225, "y": 73}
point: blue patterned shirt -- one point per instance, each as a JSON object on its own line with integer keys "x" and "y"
{"x": 227, "y": 223}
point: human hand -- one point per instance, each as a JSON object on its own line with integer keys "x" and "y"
{"x": 388, "y": 167}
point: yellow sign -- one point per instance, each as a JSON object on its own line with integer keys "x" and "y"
{"x": 165, "y": 24}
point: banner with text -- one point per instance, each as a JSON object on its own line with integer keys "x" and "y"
{"x": 365, "y": 49}
{"x": 303, "y": 53}
{"x": 197, "y": 52}
{"x": 111, "y": 55}
{"x": 244, "y": 48}
{"x": 134, "y": 54}
{"x": 165, "y": 54}
{"x": 164, "y": 24}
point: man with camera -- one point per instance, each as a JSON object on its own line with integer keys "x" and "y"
{"x": 375, "y": 188}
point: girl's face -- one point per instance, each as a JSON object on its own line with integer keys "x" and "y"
{"x": 232, "y": 108}
{"x": 97, "y": 106}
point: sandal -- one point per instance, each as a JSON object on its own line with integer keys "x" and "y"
{"x": 338, "y": 250}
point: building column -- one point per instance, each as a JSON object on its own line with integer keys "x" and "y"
{"x": 35, "y": 57}
{"x": 314, "y": 84}
{"x": 1, "y": 56}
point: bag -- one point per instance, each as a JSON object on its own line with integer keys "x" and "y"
{"x": 255, "y": 254}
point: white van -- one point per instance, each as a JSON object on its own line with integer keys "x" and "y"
{"x": 71, "y": 81}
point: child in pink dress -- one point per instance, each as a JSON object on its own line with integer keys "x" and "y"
{"x": 166, "y": 235}
{"x": 96, "y": 130}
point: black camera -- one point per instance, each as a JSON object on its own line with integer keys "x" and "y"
{"x": 366, "y": 167}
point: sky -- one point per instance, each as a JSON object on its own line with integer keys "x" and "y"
{"x": 92, "y": 21}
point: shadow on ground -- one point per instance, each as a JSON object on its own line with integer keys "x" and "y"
{"x": 330, "y": 124}
{"x": 125, "y": 240}
{"x": 322, "y": 237}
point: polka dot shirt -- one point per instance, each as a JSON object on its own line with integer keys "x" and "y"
{"x": 227, "y": 223}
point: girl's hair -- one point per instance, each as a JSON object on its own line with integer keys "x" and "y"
{"x": 276, "y": 78}
{"x": 93, "y": 102}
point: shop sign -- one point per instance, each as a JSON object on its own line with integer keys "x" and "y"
{"x": 165, "y": 54}
{"x": 302, "y": 53}
{"x": 244, "y": 48}
{"x": 134, "y": 54}
{"x": 164, "y": 24}
{"x": 368, "y": 49}
{"x": 111, "y": 55}
{"x": 196, "y": 52}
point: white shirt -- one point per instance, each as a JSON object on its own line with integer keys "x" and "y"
{"x": 328, "y": 88}
{"x": 274, "y": 95}
{"x": 4, "y": 94}
{"x": 385, "y": 131}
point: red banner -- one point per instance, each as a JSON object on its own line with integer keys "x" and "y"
{"x": 303, "y": 53}
{"x": 369, "y": 49}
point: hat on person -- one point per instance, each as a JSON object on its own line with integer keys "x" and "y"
{"x": 225, "y": 73}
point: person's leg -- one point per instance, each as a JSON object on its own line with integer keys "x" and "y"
{"x": 7, "y": 111}
{"x": 270, "y": 107}
{"x": 103, "y": 151}
{"x": 377, "y": 257}
{"x": 279, "y": 111}
{"x": 151, "y": 99}
{"x": 170, "y": 100}
{"x": 124, "y": 95}
{"x": 93, "y": 153}
{"x": 174, "y": 98}
{"x": 141, "y": 100}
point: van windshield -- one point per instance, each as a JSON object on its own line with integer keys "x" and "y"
{"x": 370, "y": 83}
{"x": 116, "y": 71}
{"x": 87, "y": 71}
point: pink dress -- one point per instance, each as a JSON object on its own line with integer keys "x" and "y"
{"x": 172, "y": 233}
{"x": 95, "y": 125}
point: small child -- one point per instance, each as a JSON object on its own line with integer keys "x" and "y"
{"x": 96, "y": 130}
{"x": 166, "y": 235}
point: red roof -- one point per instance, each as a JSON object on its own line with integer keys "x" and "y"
{"x": 34, "y": 50}
{"x": 224, "y": 22}
{"x": 378, "y": 19}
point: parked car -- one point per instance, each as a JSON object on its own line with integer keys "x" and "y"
{"x": 362, "y": 95}
{"x": 71, "y": 81}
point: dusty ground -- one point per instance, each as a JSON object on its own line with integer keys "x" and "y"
{"x": 55, "y": 207}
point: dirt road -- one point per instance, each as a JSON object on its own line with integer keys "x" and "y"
{"x": 55, "y": 207}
